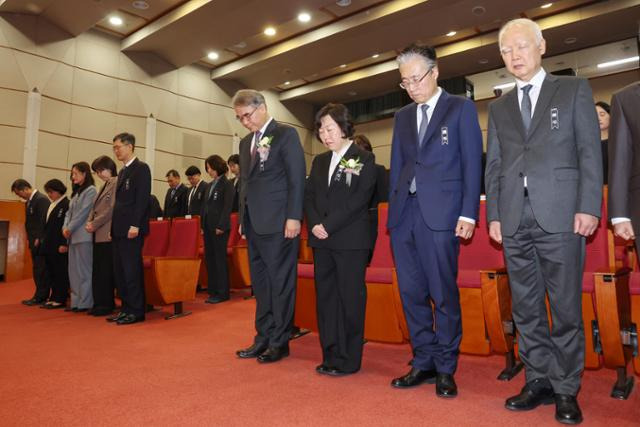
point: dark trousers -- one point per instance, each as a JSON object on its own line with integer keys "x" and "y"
{"x": 427, "y": 266}
{"x": 539, "y": 264}
{"x": 58, "y": 268}
{"x": 373, "y": 230}
{"x": 274, "y": 269}
{"x": 40, "y": 276}
{"x": 102, "y": 276}
{"x": 215, "y": 252}
{"x": 341, "y": 299}
{"x": 129, "y": 274}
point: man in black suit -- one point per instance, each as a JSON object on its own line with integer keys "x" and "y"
{"x": 272, "y": 181}
{"x": 129, "y": 225}
{"x": 35, "y": 220}
{"x": 234, "y": 167}
{"x": 175, "y": 201}
{"x": 195, "y": 197}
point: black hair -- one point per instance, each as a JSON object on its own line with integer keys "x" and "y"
{"x": 172, "y": 172}
{"x": 340, "y": 114}
{"x": 55, "y": 185}
{"x": 104, "y": 163}
{"x": 84, "y": 168}
{"x": 217, "y": 163}
{"x": 19, "y": 185}
{"x": 192, "y": 170}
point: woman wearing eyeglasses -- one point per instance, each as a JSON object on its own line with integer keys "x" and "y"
{"x": 337, "y": 196}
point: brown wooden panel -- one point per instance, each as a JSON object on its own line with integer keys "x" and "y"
{"x": 635, "y": 318}
{"x": 591, "y": 358}
{"x": 305, "y": 312}
{"x": 175, "y": 280}
{"x": 474, "y": 335}
{"x": 18, "y": 255}
{"x": 381, "y": 321}
{"x": 240, "y": 261}
{"x": 496, "y": 302}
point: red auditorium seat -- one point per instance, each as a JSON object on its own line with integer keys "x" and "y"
{"x": 384, "y": 319}
{"x": 172, "y": 278}
{"x": 476, "y": 255}
{"x": 305, "y": 255}
{"x": 157, "y": 241}
{"x": 305, "y": 311}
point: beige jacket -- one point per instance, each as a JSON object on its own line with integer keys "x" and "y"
{"x": 102, "y": 210}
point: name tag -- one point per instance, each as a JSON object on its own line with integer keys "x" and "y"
{"x": 555, "y": 119}
{"x": 444, "y": 135}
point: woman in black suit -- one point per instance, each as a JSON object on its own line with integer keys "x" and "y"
{"x": 337, "y": 196}
{"x": 54, "y": 245}
{"x": 215, "y": 222}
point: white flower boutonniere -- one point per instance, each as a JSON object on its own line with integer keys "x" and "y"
{"x": 264, "y": 145}
{"x": 350, "y": 167}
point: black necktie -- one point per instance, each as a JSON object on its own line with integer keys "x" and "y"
{"x": 525, "y": 107}
{"x": 254, "y": 148}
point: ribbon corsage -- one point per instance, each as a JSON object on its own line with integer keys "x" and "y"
{"x": 350, "y": 167}
{"x": 264, "y": 145}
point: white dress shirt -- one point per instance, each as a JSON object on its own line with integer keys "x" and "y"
{"x": 335, "y": 160}
{"x": 262, "y": 130}
{"x": 52, "y": 206}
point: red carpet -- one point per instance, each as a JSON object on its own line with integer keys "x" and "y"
{"x": 67, "y": 369}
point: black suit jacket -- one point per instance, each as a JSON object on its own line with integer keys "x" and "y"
{"x": 381, "y": 192}
{"x": 176, "y": 205}
{"x": 194, "y": 207}
{"x": 341, "y": 208}
{"x": 236, "y": 190}
{"x": 274, "y": 190}
{"x": 36, "y": 217}
{"x": 132, "y": 200}
{"x": 155, "y": 210}
{"x": 53, "y": 237}
{"x": 216, "y": 207}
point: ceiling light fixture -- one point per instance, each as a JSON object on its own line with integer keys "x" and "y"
{"x": 343, "y": 3}
{"x": 213, "y": 56}
{"x": 618, "y": 62}
{"x": 546, "y": 6}
{"x": 270, "y": 31}
{"x": 505, "y": 86}
{"x": 116, "y": 21}
{"x": 140, "y": 5}
{"x": 483, "y": 61}
{"x": 375, "y": 55}
{"x": 304, "y": 17}
{"x": 451, "y": 33}
{"x": 287, "y": 83}
{"x": 570, "y": 40}
{"x": 343, "y": 66}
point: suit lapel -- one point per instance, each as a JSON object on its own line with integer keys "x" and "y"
{"x": 351, "y": 153}
{"x": 514, "y": 111}
{"x": 548, "y": 89}
{"x": 440, "y": 111}
{"x": 124, "y": 173}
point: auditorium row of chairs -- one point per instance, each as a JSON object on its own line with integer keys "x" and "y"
{"x": 610, "y": 300}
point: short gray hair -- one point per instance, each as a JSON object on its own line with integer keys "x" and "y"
{"x": 521, "y": 22}
{"x": 248, "y": 97}
{"x": 415, "y": 50}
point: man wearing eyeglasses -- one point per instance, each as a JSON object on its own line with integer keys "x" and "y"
{"x": 434, "y": 187}
{"x": 544, "y": 192}
{"x": 272, "y": 178}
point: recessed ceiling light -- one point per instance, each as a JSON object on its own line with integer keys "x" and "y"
{"x": 478, "y": 10}
{"x": 352, "y": 93}
{"x": 115, "y": 21}
{"x": 451, "y": 33}
{"x": 483, "y": 61}
{"x": 618, "y": 62}
{"x": 140, "y": 5}
{"x": 505, "y": 86}
{"x": 287, "y": 83}
{"x": 213, "y": 56}
{"x": 240, "y": 45}
{"x": 546, "y": 6}
{"x": 343, "y": 66}
{"x": 270, "y": 31}
{"x": 570, "y": 40}
{"x": 304, "y": 17}
{"x": 375, "y": 55}
{"x": 343, "y": 3}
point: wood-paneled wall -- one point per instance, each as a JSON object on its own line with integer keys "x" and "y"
{"x": 18, "y": 256}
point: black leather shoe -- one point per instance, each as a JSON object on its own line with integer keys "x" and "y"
{"x": 415, "y": 377}
{"x": 129, "y": 319}
{"x": 251, "y": 352}
{"x": 52, "y": 306}
{"x": 34, "y": 301}
{"x": 116, "y": 317}
{"x": 273, "y": 354}
{"x": 80, "y": 310}
{"x": 215, "y": 300}
{"x": 323, "y": 369}
{"x": 446, "y": 386}
{"x": 100, "y": 312}
{"x": 567, "y": 409}
{"x": 532, "y": 395}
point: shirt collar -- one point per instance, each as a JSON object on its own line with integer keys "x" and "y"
{"x": 130, "y": 161}
{"x": 343, "y": 150}
{"x": 266, "y": 125}
{"x": 33, "y": 193}
{"x": 55, "y": 203}
{"x": 536, "y": 80}
{"x": 431, "y": 102}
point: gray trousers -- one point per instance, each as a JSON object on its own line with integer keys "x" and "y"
{"x": 542, "y": 263}
{"x": 80, "y": 274}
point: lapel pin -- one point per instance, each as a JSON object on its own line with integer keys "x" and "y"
{"x": 555, "y": 120}
{"x": 444, "y": 135}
